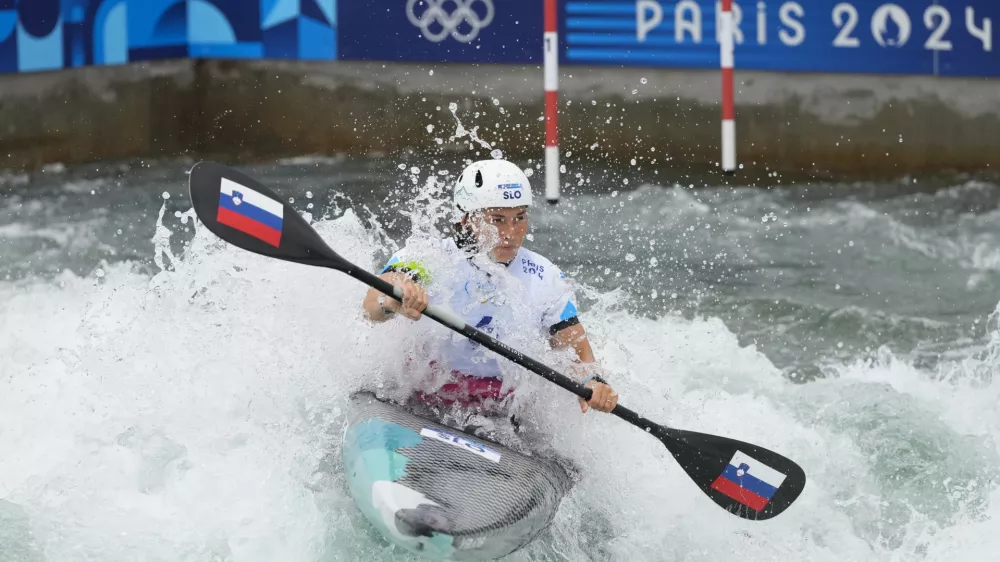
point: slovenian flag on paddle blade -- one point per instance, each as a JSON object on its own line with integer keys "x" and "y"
{"x": 251, "y": 212}
{"x": 748, "y": 481}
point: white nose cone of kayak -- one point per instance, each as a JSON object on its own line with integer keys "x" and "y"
{"x": 392, "y": 498}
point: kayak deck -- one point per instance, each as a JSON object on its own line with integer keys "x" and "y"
{"x": 442, "y": 493}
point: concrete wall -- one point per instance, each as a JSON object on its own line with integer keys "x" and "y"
{"x": 96, "y": 113}
{"x": 795, "y": 124}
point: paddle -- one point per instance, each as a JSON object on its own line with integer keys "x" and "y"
{"x": 745, "y": 479}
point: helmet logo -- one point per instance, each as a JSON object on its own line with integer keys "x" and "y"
{"x": 479, "y": 178}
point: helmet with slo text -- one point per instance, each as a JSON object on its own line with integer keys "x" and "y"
{"x": 491, "y": 183}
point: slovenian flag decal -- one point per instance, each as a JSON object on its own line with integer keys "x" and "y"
{"x": 251, "y": 212}
{"x": 748, "y": 481}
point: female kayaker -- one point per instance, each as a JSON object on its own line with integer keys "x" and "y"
{"x": 487, "y": 277}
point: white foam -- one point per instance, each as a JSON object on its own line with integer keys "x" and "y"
{"x": 171, "y": 418}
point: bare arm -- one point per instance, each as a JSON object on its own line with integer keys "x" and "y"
{"x": 603, "y": 398}
{"x": 576, "y": 337}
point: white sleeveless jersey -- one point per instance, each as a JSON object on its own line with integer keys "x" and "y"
{"x": 525, "y": 299}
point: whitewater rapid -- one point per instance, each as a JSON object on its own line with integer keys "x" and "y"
{"x": 196, "y": 414}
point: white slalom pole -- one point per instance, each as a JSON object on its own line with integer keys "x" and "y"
{"x": 551, "y": 42}
{"x": 726, "y": 46}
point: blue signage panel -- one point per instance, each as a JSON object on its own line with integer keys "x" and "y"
{"x": 54, "y": 34}
{"x": 507, "y": 31}
{"x": 940, "y": 37}
{"x": 931, "y": 37}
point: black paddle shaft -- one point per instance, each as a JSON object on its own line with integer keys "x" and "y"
{"x": 674, "y": 440}
{"x": 453, "y": 322}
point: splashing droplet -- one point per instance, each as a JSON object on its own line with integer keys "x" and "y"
{"x": 643, "y": 80}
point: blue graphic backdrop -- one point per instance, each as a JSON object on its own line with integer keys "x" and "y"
{"x": 506, "y": 31}
{"x": 934, "y": 37}
{"x": 941, "y": 37}
{"x": 54, "y": 34}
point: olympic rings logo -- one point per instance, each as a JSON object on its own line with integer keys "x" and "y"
{"x": 450, "y": 22}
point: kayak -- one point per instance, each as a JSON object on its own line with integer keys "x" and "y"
{"x": 441, "y": 493}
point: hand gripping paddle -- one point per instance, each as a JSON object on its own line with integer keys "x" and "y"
{"x": 747, "y": 480}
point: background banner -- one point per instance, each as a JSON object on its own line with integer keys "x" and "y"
{"x": 53, "y": 34}
{"x": 929, "y": 37}
{"x": 505, "y": 31}
{"x": 939, "y": 37}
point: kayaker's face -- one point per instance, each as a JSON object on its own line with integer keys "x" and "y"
{"x": 500, "y": 231}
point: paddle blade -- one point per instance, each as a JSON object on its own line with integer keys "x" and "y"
{"x": 748, "y": 481}
{"x": 241, "y": 211}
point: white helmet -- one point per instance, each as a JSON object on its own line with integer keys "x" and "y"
{"x": 491, "y": 183}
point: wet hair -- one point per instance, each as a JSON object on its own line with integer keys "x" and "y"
{"x": 465, "y": 239}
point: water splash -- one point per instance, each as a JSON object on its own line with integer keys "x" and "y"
{"x": 461, "y": 131}
{"x": 193, "y": 414}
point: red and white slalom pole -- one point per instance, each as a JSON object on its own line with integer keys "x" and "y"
{"x": 550, "y": 40}
{"x": 728, "y": 111}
